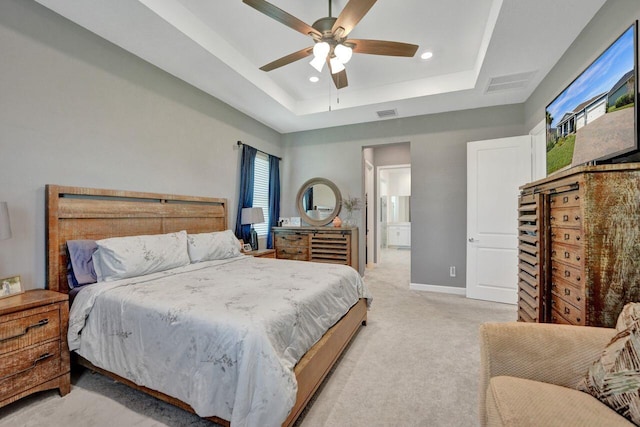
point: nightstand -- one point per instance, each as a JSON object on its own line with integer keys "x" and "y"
{"x": 34, "y": 354}
{"x": 262, "y": 253}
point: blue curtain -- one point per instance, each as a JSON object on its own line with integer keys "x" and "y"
{"x": 245, "y": 198}
{"x": 274, "y": 197}
{"x": 308, "y": 199}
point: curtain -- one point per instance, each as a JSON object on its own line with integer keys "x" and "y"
{"x": 274, "y": 197}
{"x": 308, "y": 199}
{"x": 245, "y": 198}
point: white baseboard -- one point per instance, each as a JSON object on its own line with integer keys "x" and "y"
{"x": 437, "y": 288}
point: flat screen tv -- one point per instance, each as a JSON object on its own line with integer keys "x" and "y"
{"x": 594, "y": 119}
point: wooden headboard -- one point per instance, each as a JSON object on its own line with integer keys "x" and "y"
{"x": 86, "y": 213}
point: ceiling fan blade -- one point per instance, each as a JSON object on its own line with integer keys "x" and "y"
{"x": 292, "y": 57}
{"x": 282, "y": 17}
{"x": 351, "y": 15}
{"x": 340, "y": 79}
{"x": 382, "y": 47}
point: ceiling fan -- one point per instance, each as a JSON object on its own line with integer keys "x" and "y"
{"x": 330, "y": 36}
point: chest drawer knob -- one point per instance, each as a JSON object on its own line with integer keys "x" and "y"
{"x": 578, "y": 299}
{"x": 567, "y": 310}
{"x": 39, "y": 324}
{"x": 567, "y": 291}
{"x": 565, "y": 218}
{"x": 577, "y": 218}
{"x": 577, "y": 237}
{"x": 566, "y": 236}
{"x": 567, "y": 255}
{"x": 567, "y": 273}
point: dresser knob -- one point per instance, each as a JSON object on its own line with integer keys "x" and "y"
{"x": 567, "y": 291}
{"x": 578, "y": 298}
{"x": 565, "y": 218}
{"x": 567, "y": 310}
{"x": 578, "y": 258}
{"x": 565, "y": 199}
{"x": 577, "y": 237}
{"x": 567, "y": 273}
{"x": 578, "y": 319}
{"x": 567, "y": 255}
{"x": 577, "y": 218}
{"x": 577, "y": 197}
{"x": 566, "y": 236}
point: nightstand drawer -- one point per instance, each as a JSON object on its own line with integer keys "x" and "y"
{"x": 18, "y": 370}
{"x": 32, "y": 327}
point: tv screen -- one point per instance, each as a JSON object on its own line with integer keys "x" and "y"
{"x": 595, "y": 117}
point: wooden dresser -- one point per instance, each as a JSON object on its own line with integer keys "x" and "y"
{"x": 579, "y": 245}
{"x": 336, "y": 245}
{"x": 34, "y": 355}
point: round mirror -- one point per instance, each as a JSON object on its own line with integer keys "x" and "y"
{"x": 318, "y": 201}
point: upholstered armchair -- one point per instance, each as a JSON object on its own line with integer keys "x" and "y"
{"x": 529, "y": 373}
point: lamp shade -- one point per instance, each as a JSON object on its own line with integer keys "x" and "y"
{"x": 336, "y": 65}
{"x": 5, "y": 226}
{"x": 252, "y": 216}
{"x": 343, "y": 53}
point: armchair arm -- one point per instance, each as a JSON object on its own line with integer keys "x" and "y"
{"x": 556, "y": 354}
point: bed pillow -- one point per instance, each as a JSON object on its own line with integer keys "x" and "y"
{"x": 123, "y": 257}
{"x": 213, "y": 246}
{"x": 80, "y": 269}
{"x": 614, "y": 379}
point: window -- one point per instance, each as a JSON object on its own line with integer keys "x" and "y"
{"x": 261, "y": 190}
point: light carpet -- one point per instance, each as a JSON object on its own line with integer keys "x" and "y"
{"x": 414, "y": 364}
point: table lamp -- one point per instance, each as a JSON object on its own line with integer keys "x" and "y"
{"x": 5, "y": 226}
{"x": 252, "y": 216}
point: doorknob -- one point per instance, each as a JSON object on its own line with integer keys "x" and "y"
{"x": 471, "y": 239}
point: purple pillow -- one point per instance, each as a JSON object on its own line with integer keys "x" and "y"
{"x": 81, "y": 271}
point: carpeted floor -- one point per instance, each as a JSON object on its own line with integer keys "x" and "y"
{"x": 414, "y": 364}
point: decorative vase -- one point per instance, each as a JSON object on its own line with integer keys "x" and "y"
{"x": 349, "y": 221}
{"x": 337, "y": 222}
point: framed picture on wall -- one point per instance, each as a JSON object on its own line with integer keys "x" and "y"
{"x": 295, "y": 221}
{"x": 10, "y": 286}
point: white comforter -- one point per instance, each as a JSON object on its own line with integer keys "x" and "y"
{"x": 223, "y": 336}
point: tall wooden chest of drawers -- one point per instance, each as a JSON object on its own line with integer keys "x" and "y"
{"x": 336, "y": 245}
{"x": 34, "y": 355}
{"x": 579, "y": 245}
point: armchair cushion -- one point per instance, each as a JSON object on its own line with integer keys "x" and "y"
{"x": 518, "y": 402}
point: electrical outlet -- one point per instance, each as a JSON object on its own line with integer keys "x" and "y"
{"x": 452, "y": 271}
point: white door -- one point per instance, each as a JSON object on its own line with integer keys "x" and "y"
{"x": 495, "y": 171}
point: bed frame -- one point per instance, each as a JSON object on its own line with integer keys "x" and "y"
{"x": 85, "y": 213}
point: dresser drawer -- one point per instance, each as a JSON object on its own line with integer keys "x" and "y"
{"x": 291, "y": 240}
{"x": 566, "y": 217}
{"x": 557, "y": 318}
{"x": 19, "y": 370}
{"x": 570, "y": 254}
{"x": 569, "y": 273}
{"x": 566, "y": 199}
{"x": 32, "y": 327}
{"x": 567, "y": 310}
{"x": 299, "y": 254}
{"x": 568, "y": 292}
{"x": 570, "y": 236}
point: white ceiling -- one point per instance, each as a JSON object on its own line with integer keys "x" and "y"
{"x": 218, "y": 46}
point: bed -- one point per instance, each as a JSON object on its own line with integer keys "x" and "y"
{"x": 75, "y": 213}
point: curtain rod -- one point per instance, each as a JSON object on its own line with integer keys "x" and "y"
{"x": 263, "y": 152}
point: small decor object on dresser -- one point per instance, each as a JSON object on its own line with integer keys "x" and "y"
{"x": 350, "y": 204}
{"x": 295, "y": 221}
{"x": 337, "y": 222}
{"x": 10, "y": 286}
{"x": 247, "y": 247}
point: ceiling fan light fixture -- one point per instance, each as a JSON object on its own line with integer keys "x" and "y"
{"x": 321, "y": 50}
{"x": 318, "y": 63}
{"x": 343, "y": 53}
{"x": 336, "y": 65}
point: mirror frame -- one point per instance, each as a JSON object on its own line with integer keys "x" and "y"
{"x": 303, "y": 214}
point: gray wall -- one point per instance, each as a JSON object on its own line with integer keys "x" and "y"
{"x": 77, "y": 110}
{"x": 609, "y": 23}
{"x": 393, "y": 154}
{"x": 438, "y": 181}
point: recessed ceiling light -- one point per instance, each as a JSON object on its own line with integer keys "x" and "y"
{"x": 314, "y": 79}
{"x": 426, "y": 55}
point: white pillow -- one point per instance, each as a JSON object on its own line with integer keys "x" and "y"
{"x": 123, "y": 257}
{"x": 213, "y": 246}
